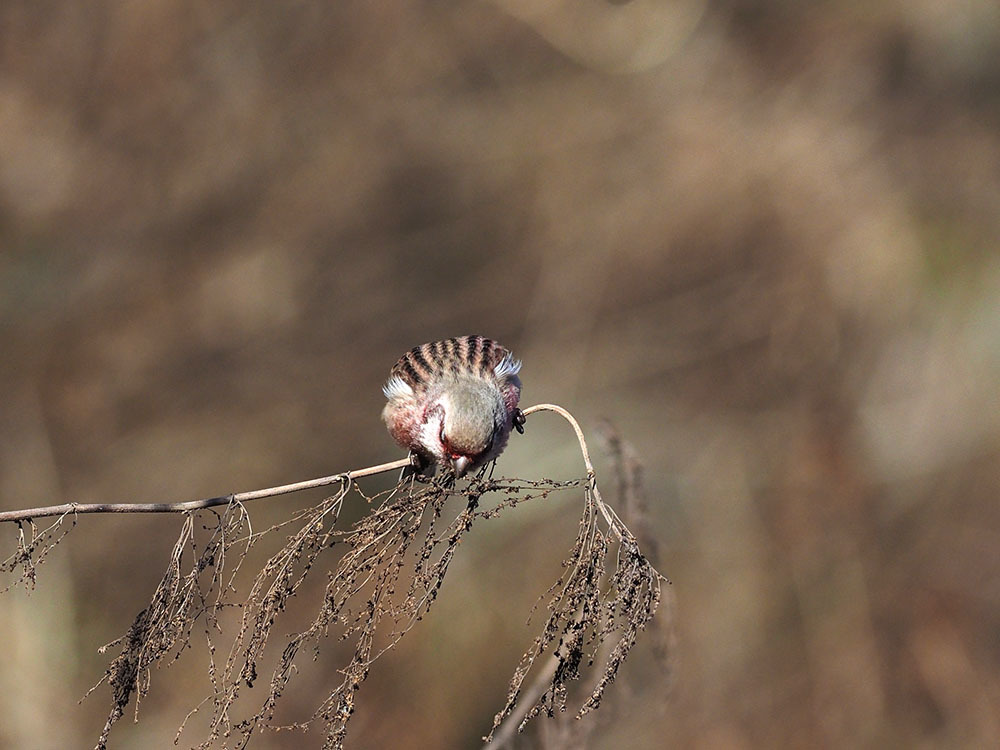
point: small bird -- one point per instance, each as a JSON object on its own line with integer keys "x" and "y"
{"x": 454, "y": 402}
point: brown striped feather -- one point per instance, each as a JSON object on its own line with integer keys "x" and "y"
{"x": 475, "y": 354}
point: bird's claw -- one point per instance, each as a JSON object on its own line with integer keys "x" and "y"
{"x": 417, "y": 468}
{"x": 519, "y": 420}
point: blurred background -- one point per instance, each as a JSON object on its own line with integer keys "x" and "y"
{"x": 760, "y": 236}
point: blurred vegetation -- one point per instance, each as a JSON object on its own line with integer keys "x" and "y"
{"x": 761, "y": 236}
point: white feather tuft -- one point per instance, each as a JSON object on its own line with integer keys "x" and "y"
{"x": 507, "y": 366}
{"x": 396, "y": 387}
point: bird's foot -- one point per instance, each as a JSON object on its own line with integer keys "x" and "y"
{"x": 419, "y": 469}
{"x": 519, "y": 420}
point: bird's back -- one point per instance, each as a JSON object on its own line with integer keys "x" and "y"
{"x": 475, "y": 355}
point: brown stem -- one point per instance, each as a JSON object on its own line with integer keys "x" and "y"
{"x": 238, "y": 497}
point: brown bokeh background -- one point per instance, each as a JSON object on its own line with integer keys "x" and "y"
{"x": 759, "y": 236}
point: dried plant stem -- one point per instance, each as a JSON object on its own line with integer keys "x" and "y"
{"x": 238, "y": 497}
{"x": 384, "y": 578}
{"x": 583, "y": 615}
{"x": 576, "y": 428}
{"x": 615, "y": 523}
{"x": 512, "y": 724}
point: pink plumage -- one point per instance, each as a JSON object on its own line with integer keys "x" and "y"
{"x": 454, "y": 402}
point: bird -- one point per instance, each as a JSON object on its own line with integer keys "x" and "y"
{"x": 453, "y": 403}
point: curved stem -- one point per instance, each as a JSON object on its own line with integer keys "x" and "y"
{"x": 576, "y": 428}
{"x": 614, "y": 523}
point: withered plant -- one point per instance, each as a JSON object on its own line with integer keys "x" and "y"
{"x": 384, "y": 574}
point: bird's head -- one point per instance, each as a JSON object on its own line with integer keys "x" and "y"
{"x": 469, "y": 418}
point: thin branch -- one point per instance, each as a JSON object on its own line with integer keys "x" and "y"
{"x": 211, "y": 502}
